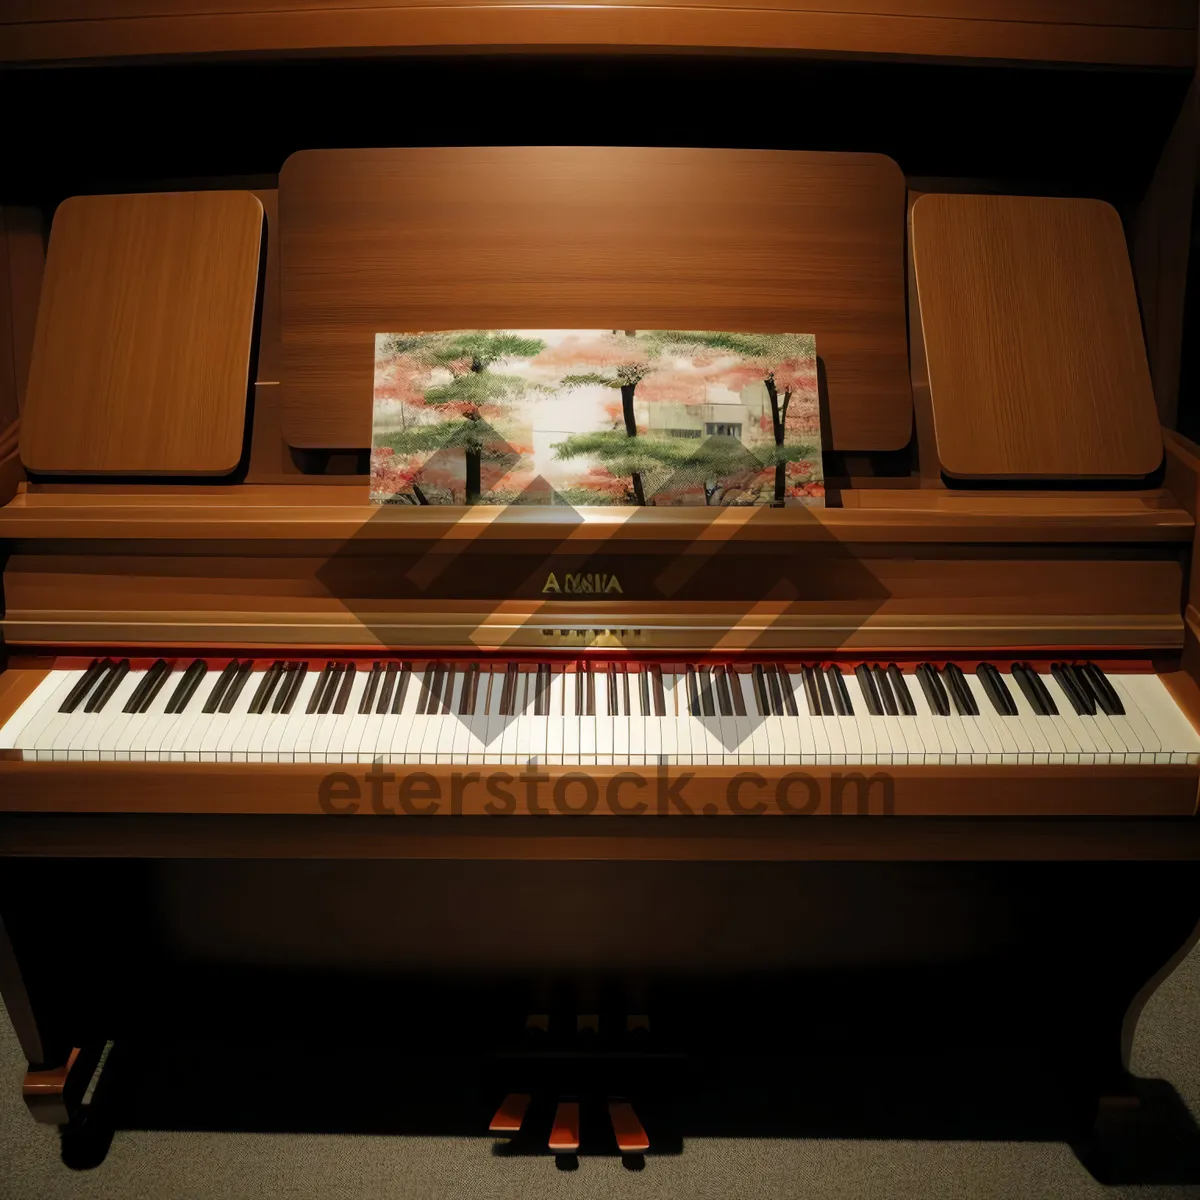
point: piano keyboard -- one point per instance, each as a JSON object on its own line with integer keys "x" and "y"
{"x": 594, "y": 713}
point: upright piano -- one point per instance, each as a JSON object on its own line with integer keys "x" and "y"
{"x": 920, "y": 765}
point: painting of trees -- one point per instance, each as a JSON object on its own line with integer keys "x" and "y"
{"x": 596, "y": 417}
{"x": 451, "y": 373}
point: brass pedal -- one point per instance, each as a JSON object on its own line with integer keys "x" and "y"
{"x": 631, "y": 1137}
{"x": 511, "y": 1114}
{"x": 564, "y": 1134}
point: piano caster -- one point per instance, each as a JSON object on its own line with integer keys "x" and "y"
{"x": 53, "y": 1094}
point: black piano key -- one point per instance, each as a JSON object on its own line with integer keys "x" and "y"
{"x": 786, "y": 691}
{"x": 154, "y": 688}
{"x": 266, "y": 685}
{"x": 866, "y": 681}
{"x": 774, "y": 691}
{"x": 761, "y": 700}
{"x": 343, "y": 696}
{"x": 624, "y": 673}
{"x": 838, "y": 682}
{"x": 824, "y": 699}
{"x": 187, "y": 687}
{"x": 386, "y": 687}
{"x": 319, "y": 689}
{"x": 926, "y": 677}
{"x": 965, "y": 701}
{"x": 996, "y": 689}
{"x": 368, "y": 696}
{"x": 1035, "y": 690}
{"x": 286, "y": 678}
{"x": 508, "y": 689}
{"x": 225, "y": 678}
{"x": 330, "y": 688}
{"x": 693, "y": 692}
{"x": 614, "y": 703}
{"x": 1106, "y": 695}
{"x": 890, "y": 708}
{"x": 660, "y": 695}
{"x": 235, "y": 689}
{"x": 541, "y": 702}
{"x": 1080, "y": 699}
{"x": 644, "y": 690}
{"x": 282, "y": 684}
{"x": 900, "y": 690}
{"x": 812, "y": 697}
{"x": 939, "y": 688}
{"x": 466, "y": 702}
{"x": 402, "y": 685}
{"x": 728, "y": 694}
{"x": 735, "y": 690}
{"x": 1047, "y": 700}
{"x": 431, "y": 689}
{"x": 1028, "y": 690}
{"x": 105, "y": 688}
{"x": 135, "y": 697}
{"x": 147, "y": 682}
{"x": 721, "y": 697}
{"x": 287, "y": 698}
{"x": 704, "y": 678}
{"x": 84, "y": 684}
{"x": 589, "y": 691}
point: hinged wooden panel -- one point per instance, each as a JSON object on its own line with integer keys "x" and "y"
{"x": 145, "y": 328}
{"x": 1033, "y": 345}
{"x": 591, "y": 237}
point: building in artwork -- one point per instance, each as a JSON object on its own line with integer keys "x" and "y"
{"x": 723, "y": 414}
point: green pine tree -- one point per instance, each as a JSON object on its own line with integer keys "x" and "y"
{"x": 473, "y": 387}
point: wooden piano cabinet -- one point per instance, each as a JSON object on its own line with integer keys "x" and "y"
{"x": 1034, "y": 959}
{"x": 1049, "y": 31}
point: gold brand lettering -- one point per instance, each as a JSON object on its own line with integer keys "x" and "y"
{"x": 582, "y": 583}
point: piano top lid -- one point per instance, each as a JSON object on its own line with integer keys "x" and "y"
{"x": 1151, "y": 33}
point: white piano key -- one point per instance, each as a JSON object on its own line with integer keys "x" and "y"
{"x": 1148, "y": 736}
{"x": 1087, "y": 744}
{"x": 934, "y": 732}
{"x": 983, "y": 724}
{"x": 37, "y": 708}
{"x": 1180, "y": 742}
{"x": 239, "y": 729}
{"x": 1031, "y": 724}
{"x": 87, "y": 748}
{"x": 1000, "y": 727}
{"x": 280, "y": 740}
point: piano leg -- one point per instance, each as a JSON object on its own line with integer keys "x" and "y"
{"x": 58, "y": 1073}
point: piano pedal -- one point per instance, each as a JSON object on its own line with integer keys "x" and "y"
{"x": 637, "y": 1023}
{"x": 537, "y": 1024}
{"x": 564, "y": 1133}
{"x": 627, "y": 1129}
{"x": 587, "y": 1024}
{"x": 510, "y": 1116}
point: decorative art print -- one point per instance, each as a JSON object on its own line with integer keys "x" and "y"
{"x": 595, "y": 416}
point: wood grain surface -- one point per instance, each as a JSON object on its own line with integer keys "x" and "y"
{"x": 1033, "y": 342}
{"x": 902, "y": 791}
{"x": 1161, "y": 33}
{"x": 591, "y": 237}
{"x": 919, "y": 570}
{"x": 144, "y": 335}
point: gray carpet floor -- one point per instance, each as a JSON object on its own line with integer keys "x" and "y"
{"x": 198, "y": 1165}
